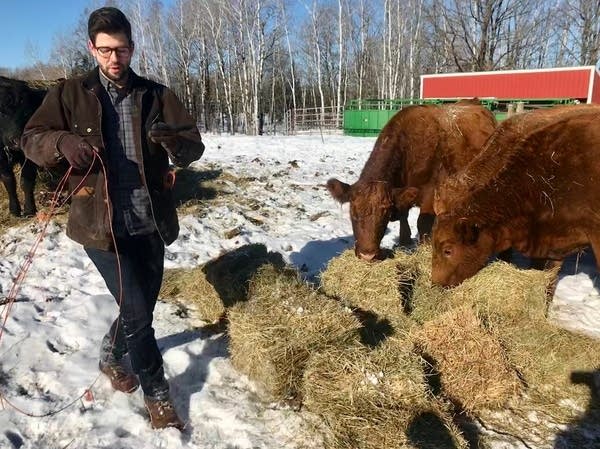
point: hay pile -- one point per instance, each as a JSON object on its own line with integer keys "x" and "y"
{"x": 549, "y": 358}
{"x": 487, "y": 342}
{"x": 283, "y": 323}
{"x": 369, "y": 398}
{"x": 489, "y": 338}
{"x": 376, "y": 287}
{"x": 500, "y": 292}
{"x": 209, "y": 289}
{"x": 475, "y": 371}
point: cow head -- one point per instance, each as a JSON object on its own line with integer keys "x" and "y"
{"x": 372, "y": 206}
{"x": 460, "y": 248}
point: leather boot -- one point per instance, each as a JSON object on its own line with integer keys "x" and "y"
{"x": 162, "y": 413}
{"x": 120, "y": 378}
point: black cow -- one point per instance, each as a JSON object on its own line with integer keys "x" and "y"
{"x": 18, "y": 101}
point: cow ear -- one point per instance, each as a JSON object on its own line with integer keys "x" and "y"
{"x": 405, "y": 198}
{"x": 339, "y": 190}
{"x": 468, "y": 231}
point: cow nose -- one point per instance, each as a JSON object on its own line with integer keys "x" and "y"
{"x": 369, "y": 257}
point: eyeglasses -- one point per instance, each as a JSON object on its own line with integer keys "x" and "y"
{"x": 121, "y": 52}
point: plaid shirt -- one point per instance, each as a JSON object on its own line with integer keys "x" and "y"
{"x": 132, "y": 212}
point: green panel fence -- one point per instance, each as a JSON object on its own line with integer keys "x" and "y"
{"x": 367, "y": 117}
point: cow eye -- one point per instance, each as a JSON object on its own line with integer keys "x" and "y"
{"x": 447, "y": 252}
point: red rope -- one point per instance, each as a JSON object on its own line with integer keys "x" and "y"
{"x": 24, "y": 268}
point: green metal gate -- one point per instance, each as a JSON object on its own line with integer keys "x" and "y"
{"x": 368, "y": 117}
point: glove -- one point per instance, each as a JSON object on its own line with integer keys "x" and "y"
{"x": 76, "y": 150}
{"x": 166, "y": 135}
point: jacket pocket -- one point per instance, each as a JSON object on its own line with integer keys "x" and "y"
{"x": 88, "y": 213}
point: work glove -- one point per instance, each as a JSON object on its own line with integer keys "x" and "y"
{"x": 166, "y": 135}
{"x": 76, "y": 151}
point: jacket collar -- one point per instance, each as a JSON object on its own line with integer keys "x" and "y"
{"x": 91, "y": 80}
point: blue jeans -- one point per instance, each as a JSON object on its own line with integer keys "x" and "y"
{"x": 142, "y": 265}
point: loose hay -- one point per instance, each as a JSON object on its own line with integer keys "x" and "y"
{"x": 558, "y": 367}
{"x": 474, "y": 369}
{"x": 550, "y": 359}
{"x": 500, "y": 291}
{"x": 215, "y": 286}
{"x": 367, "y": 398}
{"x": 371, "y": 286}
{"x": 282, "y": 324}
{"x": 489, "y": 336}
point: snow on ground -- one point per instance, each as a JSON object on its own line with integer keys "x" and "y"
{"x": 49, "y": 345}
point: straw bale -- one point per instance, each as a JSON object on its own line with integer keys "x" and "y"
{"x": 211, "y": 288}
{"x": 500, "y": 292}
{"x": 422, "y": 300}
{"x": 367, "y": 398}
{"x": 474, "y": 369}
{"x": 371, "y": 286}
{"x": 283, "y": 322}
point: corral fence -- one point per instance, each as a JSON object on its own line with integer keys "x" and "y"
{"x": 368, "y": 116}
{"x": 328, "y": 120}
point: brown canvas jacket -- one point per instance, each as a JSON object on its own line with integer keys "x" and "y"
{"x": 73, "y": 107}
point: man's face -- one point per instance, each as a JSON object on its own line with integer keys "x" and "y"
{"x": 113, "y": 53}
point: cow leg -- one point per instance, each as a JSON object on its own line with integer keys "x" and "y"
{"x": 424, "y": 226}
{"x": 28, "y": 176}
{"x": 405, "y": 232}
{"x": 595, "y": 244}
{"x": 10, "y": 183}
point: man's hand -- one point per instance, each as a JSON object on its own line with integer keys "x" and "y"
{"x": 166, "y": 135}
{"x": 76, "y": 150}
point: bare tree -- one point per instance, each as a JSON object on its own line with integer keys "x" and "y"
{"x": 148, "y": 20}
{"x": 479, "y": 33}
{"x": 70, "y": 50}
{"x": 314, "y": 50}
{"x": 184, "y": 43}
{"x": 292, "y": 78}
{"x": 581, "y": 24}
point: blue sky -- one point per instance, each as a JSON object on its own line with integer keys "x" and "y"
{"x": 36, "y": 22}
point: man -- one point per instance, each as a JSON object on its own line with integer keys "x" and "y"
{"x": 118, "y": 131}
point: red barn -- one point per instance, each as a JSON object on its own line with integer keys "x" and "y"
{"x": 575, "y": 83}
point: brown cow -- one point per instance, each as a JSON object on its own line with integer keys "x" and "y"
{"x": 415, "y": 150}
{"x": 534, "y": 187}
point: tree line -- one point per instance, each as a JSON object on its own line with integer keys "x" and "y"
{"x": 239, "y": 65}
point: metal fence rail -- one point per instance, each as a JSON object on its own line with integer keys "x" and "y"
{"x": 314, "y": 120}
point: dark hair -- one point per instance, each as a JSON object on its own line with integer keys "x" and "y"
{"x": 108, "y": 20}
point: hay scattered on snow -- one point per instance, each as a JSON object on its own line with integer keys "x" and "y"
{"x": 368, "y": 398}
{"x": 475, "y": 371}
{"x": 281, "y": 325}
{"x": 547, "y": 357}
{"x": 558, "y": 368}
{"x": 511, "y": 304}
{"x": 211, "y": 288}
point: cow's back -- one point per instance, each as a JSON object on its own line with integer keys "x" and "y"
{"x": 404, "y": 149}
{"x": 467, "y": 127}
{"x": 546, "y": 160}
{"x": 421, "y": 144}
